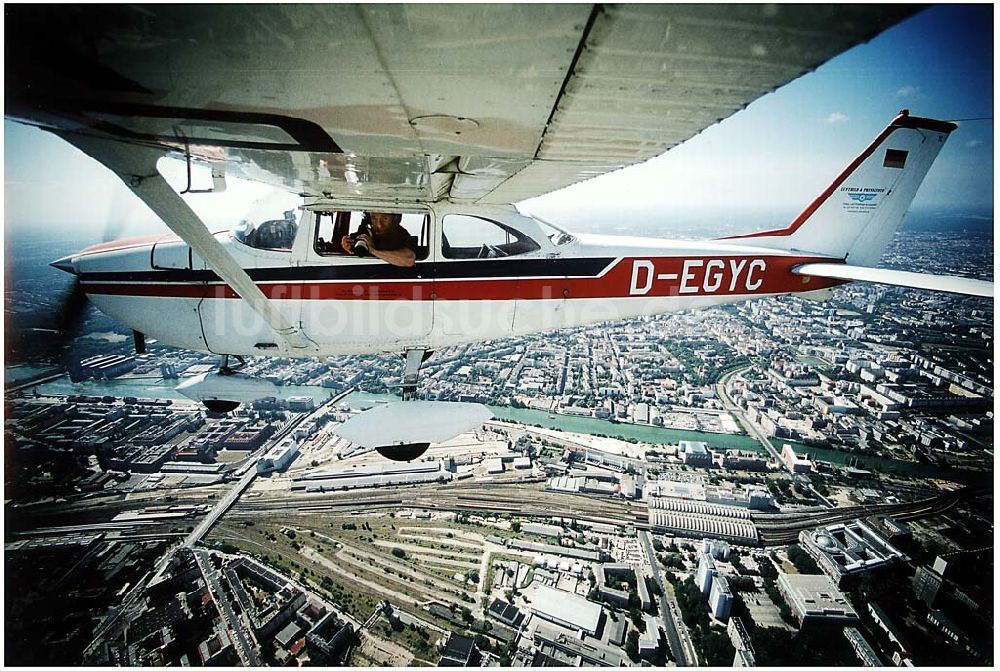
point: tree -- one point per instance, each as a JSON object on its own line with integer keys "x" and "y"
{"x": 632, "y": 645}
{"x": 636, "y": 616}
{"x": 515, "y": 526}
{"x": 399, "y": 552}
{"x": 802, "y": 561}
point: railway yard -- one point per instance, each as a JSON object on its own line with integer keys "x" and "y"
{"x": 419, "y": 562}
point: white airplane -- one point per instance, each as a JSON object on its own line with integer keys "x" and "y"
{"x": 442, "y": 115}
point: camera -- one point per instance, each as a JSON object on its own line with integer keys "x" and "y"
{"x": 360, "y": 247}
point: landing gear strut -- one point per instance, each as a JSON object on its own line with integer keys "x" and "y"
{"x": 224, "y": 368}
{"x": 411, "y": 373}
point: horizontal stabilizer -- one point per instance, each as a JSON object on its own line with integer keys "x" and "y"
{"x": 899, "y": 278}
{"x": 410, "y": 422}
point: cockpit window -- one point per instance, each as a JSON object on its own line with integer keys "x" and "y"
{"x": 468, "y": 237}
{"x": 276, "y": 235}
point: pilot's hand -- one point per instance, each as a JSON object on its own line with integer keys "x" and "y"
{"x": 368, "y": 240}
{"x": 346, "y": 243}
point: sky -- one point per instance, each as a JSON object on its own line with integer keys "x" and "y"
{"x": 774, "y": 156}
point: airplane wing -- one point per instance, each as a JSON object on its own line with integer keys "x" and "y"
{"x": 412, "y": 102}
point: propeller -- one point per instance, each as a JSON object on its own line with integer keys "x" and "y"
{"x": 70, "y": 308}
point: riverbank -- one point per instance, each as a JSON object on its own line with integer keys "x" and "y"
{"x": 652, "y": 435}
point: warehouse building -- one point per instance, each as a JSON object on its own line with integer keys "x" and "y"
{"x": 279, "y": 457}
{"x": 814, "y": 598}
{"x": 566, "y": 609}
{"x": 373, "y": 475}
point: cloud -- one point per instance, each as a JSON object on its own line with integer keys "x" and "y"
{"x": 837, "y": 117}
{"x": 908, "y": 91}
{"x": 973, "y": 143}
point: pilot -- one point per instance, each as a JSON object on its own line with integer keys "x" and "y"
{"x": 388, "y": 240}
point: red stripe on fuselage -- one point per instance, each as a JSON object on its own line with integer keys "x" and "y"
{"x": 629, "y": 277}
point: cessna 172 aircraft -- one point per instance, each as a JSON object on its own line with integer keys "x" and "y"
{"x": 443, "y": 114}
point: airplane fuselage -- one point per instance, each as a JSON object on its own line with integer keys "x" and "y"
{"x": 525, "y": 281}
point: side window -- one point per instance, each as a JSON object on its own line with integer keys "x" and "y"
{"x": 467, "y": 237}
{"x": 331, "y": 227}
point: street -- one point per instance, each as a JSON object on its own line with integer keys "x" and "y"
{"x": 678, "y": 639}
{"x": 246, "y": 651}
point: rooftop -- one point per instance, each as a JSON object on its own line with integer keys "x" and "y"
{"x": 565, "y": 607}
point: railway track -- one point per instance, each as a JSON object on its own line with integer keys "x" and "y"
{"x": 526, "y": 499}
{"x": 789, "y": 532}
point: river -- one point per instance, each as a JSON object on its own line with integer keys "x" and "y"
{"x": 654, "y": 435}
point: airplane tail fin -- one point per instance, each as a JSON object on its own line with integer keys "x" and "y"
{"x": 856, "y": 216}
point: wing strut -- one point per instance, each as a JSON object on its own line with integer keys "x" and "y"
{"x": 136, "y": 166}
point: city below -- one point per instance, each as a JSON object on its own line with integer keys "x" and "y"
{"x": 776, "y": 483}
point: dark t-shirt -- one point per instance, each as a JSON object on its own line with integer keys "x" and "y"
{"x": 394, "y": 239}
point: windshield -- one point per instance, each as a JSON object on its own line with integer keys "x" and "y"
{"x": 558, "y": 236}
{"x": 274, "y": 234}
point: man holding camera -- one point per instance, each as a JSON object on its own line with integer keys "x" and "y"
{"x": 381, "y": 235}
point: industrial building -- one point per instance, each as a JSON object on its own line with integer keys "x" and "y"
{"x": 561, "y": 550}
{"x": 720, "y": 599}
{"x": 689, "y": 507}
{"x": 793, "y": 462}
{"x": 692, "y": 489}
{"x": 847, "y": 549}
{"x": 550, "y": 530}
{"x": 566, "y": 609}
{"x": 697, "y": 526}
{"x": 373, "y": 475}
{"x": 506, "y": 612}
{"x": 695, "y": 453}
{"x": 279, "y": 457}
{"x": 106, "y": 367}
{"x": 814, "y": 598}
{"x": 555, "y": 648}
{"x": 459, "y": 651}
{"x": 189, "y": 468}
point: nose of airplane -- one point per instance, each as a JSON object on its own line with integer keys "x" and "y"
{"x": 65, "y": 264}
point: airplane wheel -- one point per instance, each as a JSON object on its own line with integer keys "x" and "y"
{"x": 221, "y": 406}
{"x": 407, "y": 452}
